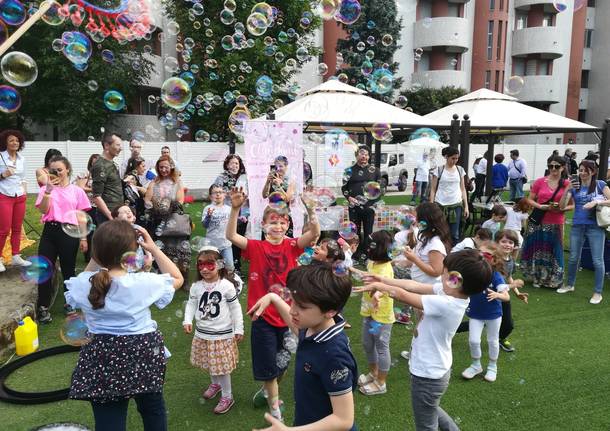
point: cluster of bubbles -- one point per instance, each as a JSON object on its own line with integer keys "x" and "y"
{"x": 20, "y": 70}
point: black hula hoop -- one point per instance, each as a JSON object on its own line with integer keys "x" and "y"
{"x": 15, "y": 397}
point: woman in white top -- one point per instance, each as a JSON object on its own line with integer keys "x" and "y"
{"x": 421, "y": 179}
{"x": 448, "y": 190}
{"x": 480, "y": 174}
{"x": 12, "y": 193}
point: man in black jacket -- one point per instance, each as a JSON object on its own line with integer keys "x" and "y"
{"x": 361, "y": 210}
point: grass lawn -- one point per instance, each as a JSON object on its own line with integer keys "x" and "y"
{"x": 556, "y": 379}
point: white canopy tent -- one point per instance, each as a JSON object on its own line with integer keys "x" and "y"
{"x": 496, "y": 113}
{"x": 334, "y": 104}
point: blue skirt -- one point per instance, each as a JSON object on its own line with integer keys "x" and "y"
{"x": 542, "y": 255}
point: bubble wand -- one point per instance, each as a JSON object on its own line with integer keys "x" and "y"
{"x": 44, "y": 7}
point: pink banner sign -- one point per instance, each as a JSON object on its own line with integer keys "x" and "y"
{"x": 264, "y": 141}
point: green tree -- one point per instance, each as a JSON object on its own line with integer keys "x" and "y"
{"x": 426, "y": 100}
{"x": 229, "y": 62}
{"x": 371, "y": 44}
{"x": 61, "y": 97}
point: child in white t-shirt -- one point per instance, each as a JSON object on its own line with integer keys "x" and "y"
{"x": 481, "y": 235}
{"x": 465, "y": 273}
{"x": 515, "y": 220}
{"x": 215, "y": 218}
{"x": 494, "y": 224}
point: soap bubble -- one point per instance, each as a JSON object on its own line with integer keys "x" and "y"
{"x": 276, "y": 201}
{"x": 340, "y": 269}
{"x": 560, "y": 5}
{"x": 257, "y": 24}
{"x": 396, "y": 249}
{"x": 424, "y": 132}
{"x": 12, "y": 12}
{"x": 19, "y": 69}
{"x": 264, "y": 86}
{"x": 53, "y": 16}
{"x": 290, "y": 342}
{"x": 80, "y": 224}
{"x": 264, "y": 9}
{"x": 406, "y": 221}
{"x": 348, "y": 12}
{"x": 176, "y": 93}
{"x": 74, "y": 330}
{"x": 401, "y": 101}
{"x": 227, "y": 42}
{"x": 92, "y": 85}
{"x": 514, "y": 85}
{"x": 281, "y": 291}
{"x": 108, "y": 56}
{"x": 202, "y": 136}
{"x": 327, "y": 9}
{"x": 173, "y": 28}
{"x": 282, "y": 359}
{"x": 227, "y": 17}
{"x": 237, "y": 118}
{"x": 372, "y": 190}
{"x": 387, "y": 40}
{"x": 304, "y": 259}
{"x": 114, "y": 100}
{"x": 188, "y": 77}
{"x": 427, "y": 22}
{"x": 322, "y": 69}
{"x": 381, "y": 81}
{"x": 132, "y": 261}
{"x": 78, "y": 47}
{"x": 381, "y": 132}
{"x": 10, "y": 100}
{"x": 39, "y": 271}
{"x": 348, "y": 230}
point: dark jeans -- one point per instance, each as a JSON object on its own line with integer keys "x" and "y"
{"x": 54, "y": 243}
{"x": 93, "y": 214}
{"x": 241, "y": 229}
{"x": 112, "y": 416}
{"x": 507, "y": 325}
{"x": 363, "y": 218}
{"x": 479, "y": 186}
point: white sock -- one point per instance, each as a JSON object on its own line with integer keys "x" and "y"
{"x": 476, "y": 362}
{"x": 225, "y": 384}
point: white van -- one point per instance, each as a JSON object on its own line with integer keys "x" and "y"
{"x": 393, "y": 169}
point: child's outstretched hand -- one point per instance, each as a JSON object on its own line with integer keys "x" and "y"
{"x": 188, "y": 328}
{"x": 276, "y": 424}
{"x": 238, "y": 197}
{"x": 492, "y": 294}
{"x": 523, "y": 296}
{"x": 261, "y": 305}
{"x": 517, "y": 284}
{"x": 369, "y": 287}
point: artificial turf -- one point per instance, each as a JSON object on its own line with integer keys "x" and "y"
{"x": 557, "y": 379}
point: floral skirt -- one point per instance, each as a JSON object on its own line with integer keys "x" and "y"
{"x": 542, "y": 255}
{"x": 115, "y": 367}
{"x": 217, "y": 357}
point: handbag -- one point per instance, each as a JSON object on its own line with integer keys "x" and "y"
{"x": 176, "y": 225}
{"x": 537, "y": 214}
{"x": 602, "y": 214}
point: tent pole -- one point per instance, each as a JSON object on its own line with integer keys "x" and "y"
{"x": 377, "y": 154}
{"x": 603, "y": 151}
{"x": 465, "y": 143}
{"x": 454, "y": 134}
{"x": 493, "y": 140}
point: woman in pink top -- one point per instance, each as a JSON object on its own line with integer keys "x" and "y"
{"x": 542, "y": 251}
{"x": 64, "y": 228}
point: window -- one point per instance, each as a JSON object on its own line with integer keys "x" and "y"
{"x": 384, "y": 158}
{"x": 497, "y": 85}
{"x": 520, "y": 20}
{"x": 488, "y": 79}
{"x": 501, "y": 4}
{"x": 531, "y": 67}
{"x": 499, "y": 45}
{"x": 452, "y": 62}
{"x": 547, "y": 20}
{"x": 490, "y": 40}
{"x": 591, "y": 3}
{"x": 492, "y": 4}
{"x": 453, "y": 10}
{"x": 582, "y": 115}
{"x": 588, "y": 38}
{"x": 518, "y": 66}
{"x": 143, "y": 107}
{"x": 584, "y": 79}
{"x": 544, "y": 67}
{"x": 401, "y": 159}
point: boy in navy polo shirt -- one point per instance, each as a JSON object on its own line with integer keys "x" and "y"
{"x": 270, "y": 261}
{"x": 325, "y": 373}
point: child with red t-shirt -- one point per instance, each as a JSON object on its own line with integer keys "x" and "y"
{"x": 270, "y": 261}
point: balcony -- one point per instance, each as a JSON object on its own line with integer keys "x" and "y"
{"x": 446, "y": 31}
{"x": 587, "y": 53}
{"x": 537, "y": 40}
{"x": 540, "y": 88}
{"x": 442, "y": 78}
{"x": 525, "y": 4}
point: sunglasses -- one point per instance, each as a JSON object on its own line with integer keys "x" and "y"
{"x": 207, "y": 265}
{"x": 487, "y": 256}
{"x": 553, "y": 166}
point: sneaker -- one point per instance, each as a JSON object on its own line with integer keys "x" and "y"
{"x": 260, "y": 398}
{"x": 491, "y": 374}
{"x": 403, "y": 319}
{"x": 365, "y": 379}
{"x": 373, "y": 388}
{"x": 506, "y": 346}
{"x": 68, "y": 310}
{"x": 595, "y": 299}
{"x": 536, "y": 285}
{"x": 471, "y": 372}
{"x": 565, "y": 289}
{"x": 211, "y": 391}
{"x": 2, "y": 267}
{"x": 19, "y": 261}
{"x": 224, "y": 405}
{"x": 43, "y": 315}
{"x": 405, "y": 354}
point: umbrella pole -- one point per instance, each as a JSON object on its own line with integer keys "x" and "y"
{"x": 603, "y": 151}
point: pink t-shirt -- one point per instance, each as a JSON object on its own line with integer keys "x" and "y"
{"x": 544, "y": 193}
{"x": 64, "y": 200}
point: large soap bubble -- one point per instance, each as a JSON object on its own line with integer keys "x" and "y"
{"x": 10, "y": 100}
{"x": 257, "y": 24}
{"x": 80, "y": 224}
{"x": 78, "y": 47}
{"x": 12, "y": 12}
{"x": 114, "y": 100}
{"x": 381, "y": 81}
{"x": 40, "y": 270}
{"x": 264, "y": 86}
{"x": 348, "y": 12}
{"x": 19, "y": 69}
{"x": 74, "y": 330}
{"x": 176, "y": 93}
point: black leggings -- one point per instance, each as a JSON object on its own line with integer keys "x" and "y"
{"x": 363, "y": 218}
{"x": 54, "y": 243}
{"x": 112, "y": 416}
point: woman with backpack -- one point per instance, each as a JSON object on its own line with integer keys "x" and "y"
{"x": 448, "y": 190}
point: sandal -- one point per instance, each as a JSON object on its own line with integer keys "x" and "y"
{"x": 373, "y": 388}
{"x": 365, "y": 379}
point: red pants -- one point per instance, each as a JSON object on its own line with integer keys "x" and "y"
{"x": 12, "y": 211}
